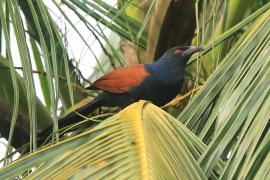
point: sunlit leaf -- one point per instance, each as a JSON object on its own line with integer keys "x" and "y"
{"x": 142, "y": 141}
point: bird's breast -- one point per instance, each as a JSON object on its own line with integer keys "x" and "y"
{"x": 156, "y": 90}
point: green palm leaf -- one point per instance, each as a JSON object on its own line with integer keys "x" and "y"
{"x": 142, "y": 141}
{"x": 234, "y": 101}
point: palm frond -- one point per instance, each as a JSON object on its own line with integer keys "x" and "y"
{"x": 234, "y": 101}
{"x": 141, "y": 141}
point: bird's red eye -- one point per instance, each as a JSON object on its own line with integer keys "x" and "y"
{"x": 177, "y": 51}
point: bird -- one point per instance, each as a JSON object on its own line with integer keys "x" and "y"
{"x": 158, "y": 83}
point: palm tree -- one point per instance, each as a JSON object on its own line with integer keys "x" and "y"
{"x": 219, "y": 132}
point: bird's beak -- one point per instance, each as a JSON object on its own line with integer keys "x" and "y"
{"x": 194, "y": 49}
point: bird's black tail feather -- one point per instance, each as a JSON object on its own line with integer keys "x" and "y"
{"x": 74, "y": 117}
{"x": 78, "y": 114}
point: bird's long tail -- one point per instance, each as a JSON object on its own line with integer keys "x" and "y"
{"x": 78, "y": 114}
{"x": 74, "y": 117}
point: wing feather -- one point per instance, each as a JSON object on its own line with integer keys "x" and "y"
{"x": 121, "y": 80}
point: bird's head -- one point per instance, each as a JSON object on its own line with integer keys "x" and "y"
{"x": 181, "y": 53}
{"x": 171, "y": 66}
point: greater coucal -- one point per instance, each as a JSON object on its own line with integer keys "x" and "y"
{"x": 159, "y": 83}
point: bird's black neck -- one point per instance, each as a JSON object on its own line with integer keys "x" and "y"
{"x": 169, "y": 72}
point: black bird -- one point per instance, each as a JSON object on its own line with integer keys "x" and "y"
{"x": 159, "y": 83}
